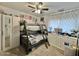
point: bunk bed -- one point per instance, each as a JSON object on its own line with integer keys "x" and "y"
{"x": 33, "y": 35}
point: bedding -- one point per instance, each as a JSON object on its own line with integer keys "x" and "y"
{"x": 33, "y": 28}
{"x": 35, "y": 39}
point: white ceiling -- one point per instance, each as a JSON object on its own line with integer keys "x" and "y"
{"x": 53, "y": 6}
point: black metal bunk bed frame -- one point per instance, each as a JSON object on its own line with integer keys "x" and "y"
{"x": 24, "y": 40}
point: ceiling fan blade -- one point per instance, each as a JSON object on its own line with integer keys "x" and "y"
{"x": 31, "y": 6}
{"x": 45, "y": 9}
{"x": 33, "y": 10}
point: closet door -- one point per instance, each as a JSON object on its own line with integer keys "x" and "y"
{"x": 7, "y": 32}
{"x": 16, "y": 32}
{"x": 0, "y": 32}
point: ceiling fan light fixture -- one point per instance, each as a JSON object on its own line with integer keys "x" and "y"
{"x": 37, "y": 11}
{"x": 40, "y": 6}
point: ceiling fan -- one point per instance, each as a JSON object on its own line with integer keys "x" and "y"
{"x": 37, "y": 6}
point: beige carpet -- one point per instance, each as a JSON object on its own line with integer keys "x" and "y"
{"x": 43, "y": 51}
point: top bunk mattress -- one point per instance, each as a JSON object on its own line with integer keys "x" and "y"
{"x": 33, "y": 28}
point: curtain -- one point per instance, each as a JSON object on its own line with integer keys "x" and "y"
{"x": 68, "y": 22}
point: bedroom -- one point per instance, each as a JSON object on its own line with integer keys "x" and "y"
{"x": 56, "y": 22}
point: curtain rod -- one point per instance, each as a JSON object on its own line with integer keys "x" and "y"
{"x": 66, "y": 11}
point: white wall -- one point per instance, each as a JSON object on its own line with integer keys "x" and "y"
{"x": 16, "y": 32}
{"x": 47, "y": 20}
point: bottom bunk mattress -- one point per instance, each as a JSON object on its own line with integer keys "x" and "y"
{"x": 35, "y": 39}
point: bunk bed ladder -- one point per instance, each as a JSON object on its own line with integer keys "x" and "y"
{"x": 44, "y": 35}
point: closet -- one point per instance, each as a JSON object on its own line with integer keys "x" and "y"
{"x": 7, "y": 32}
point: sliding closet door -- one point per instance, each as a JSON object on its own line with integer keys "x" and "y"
{"x": 7, "y": 32}
{"x": 0, "y": 32}
{"x": 16, "y": 32}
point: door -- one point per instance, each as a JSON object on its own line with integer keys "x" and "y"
{"x": 0, "y": 32}
{"x": 7, "y": 32}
